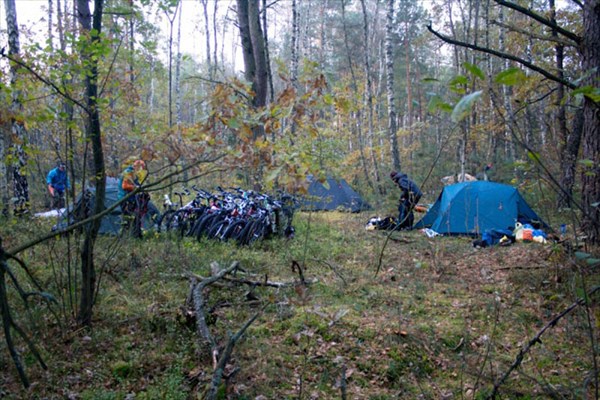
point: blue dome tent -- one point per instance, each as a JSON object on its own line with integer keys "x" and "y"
{"x": 337, "y": 195}
{"x": 471, "y": 208}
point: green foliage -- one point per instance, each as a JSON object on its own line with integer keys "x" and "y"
{"x": 591, "y": 92}
{"x": 437, "y": 103}
{"x": 474, "y": 70}
{"x": 457, "y": 84}
{"x": 510, "y": 77}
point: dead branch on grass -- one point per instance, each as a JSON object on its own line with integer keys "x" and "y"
{"x": 220, "y": 368}
{"x": 254, "y": 283}
{"x": 334, "y": 268}
{"x": 196, "y": 297}
{"x": 537, "y": 339}
{"x": 196, "y": 289}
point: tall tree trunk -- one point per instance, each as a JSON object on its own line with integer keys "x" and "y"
{"x": 91, "y": 29}
{"x": 259, "y": 52}
{"x": 247, "y": 50}
{"x": 171, "y": 19}
{"x": 391, "y": 99}
{"x": 178, "y": 100}
{"x": 255, "y": 66}
{"x": 358, "y": 115}
{"x": 131, "y": 42}
{"x": 267, "y": 54}
{"x": 18, "y": 135}
{"x": 50, "y": 20}
{"x": 207, "y": 34}
{"x": 369, "y": 97}
{"x": 295, "y": 47}
{"x": 591, "y": 120}
{"x": 509, "y": 151}
{"x": 569, "y": 143}
{"x": 215, "y": 50}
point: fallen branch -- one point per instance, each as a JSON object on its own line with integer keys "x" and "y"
{"x": 333, "y": 268}
{"x": 220, "y": 368}
{"x": 263, "y": 283}
{"x": 514, "y": 267}
{"x": 537, "y": 339}
{"x": 196, "y": 290}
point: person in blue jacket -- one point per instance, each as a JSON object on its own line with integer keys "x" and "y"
{"x": 58, "y": 182}
{"x": 411, "y": 194}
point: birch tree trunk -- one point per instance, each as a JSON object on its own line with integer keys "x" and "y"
{"x": 295, "y": 42}
{"x": 178, "y": 116}
{"x": 391, "y": 99}
{"x": 171, "y": 19}
{"x": 18, "y": 134}
{"x": 131, "y": 35}
{"x": 50, "y": 19}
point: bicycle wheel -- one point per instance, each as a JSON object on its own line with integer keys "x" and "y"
{"x": 254, "y": 231}
{"x": 234, "y": 229}
{"x": 203, "y": 226}
{"x": 218, "y": 229}
{"x": 192, "y": 220}
{"x": 162, "y": 221}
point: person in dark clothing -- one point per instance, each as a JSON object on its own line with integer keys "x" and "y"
{"x": 411, "y": 194}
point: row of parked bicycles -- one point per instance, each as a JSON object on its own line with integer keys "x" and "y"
{"x": 244, "y": 216}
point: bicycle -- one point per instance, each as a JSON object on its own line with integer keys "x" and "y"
{"x": 133, "y": 211}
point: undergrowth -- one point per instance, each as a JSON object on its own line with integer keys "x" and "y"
{"x": 441, "y": 319}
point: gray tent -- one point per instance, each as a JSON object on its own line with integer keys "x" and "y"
{"x": 337, "y": 195}
{"x": 111, "y": 223}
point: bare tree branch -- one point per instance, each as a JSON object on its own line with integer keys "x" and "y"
{"x": 537, "y": 339}
{"x": 507, "y": 56}
{"x": 540, "y": 19}
{"x": 533, "y": 35}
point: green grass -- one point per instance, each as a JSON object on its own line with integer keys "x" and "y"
{"x": 422, "y": 326}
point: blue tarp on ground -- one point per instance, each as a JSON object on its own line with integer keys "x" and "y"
{"x": 474, "y": 207}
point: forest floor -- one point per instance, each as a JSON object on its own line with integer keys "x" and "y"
{"x": 380, "y": 317}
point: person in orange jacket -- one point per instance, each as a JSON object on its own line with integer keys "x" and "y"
{"x": 132, "y": 177}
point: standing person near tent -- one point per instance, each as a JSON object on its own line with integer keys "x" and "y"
{"x": 134, "y": 207}
{"x": 411, "y": 194}
{"x": 58, "y": 181}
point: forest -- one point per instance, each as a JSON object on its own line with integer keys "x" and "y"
{"x": 267, "y": 96}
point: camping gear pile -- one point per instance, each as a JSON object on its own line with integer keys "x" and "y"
{"x": 379, "y": 223}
